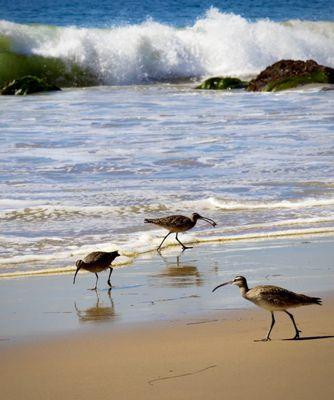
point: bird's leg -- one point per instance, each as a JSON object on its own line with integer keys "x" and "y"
{"x": 97, "y": 277}
{"x": 271, "y": 326}
{"x": 294, "y": 324}
{"x": 163, "y": 240}
{"x": 183, "y": 246}
{"x": 267, "y": 338}
{"x": 111, "y": 269}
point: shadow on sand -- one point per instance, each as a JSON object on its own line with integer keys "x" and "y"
{"x": 311, "y": 338}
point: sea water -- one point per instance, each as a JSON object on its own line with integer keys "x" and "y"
{"x": 81, "y": 169}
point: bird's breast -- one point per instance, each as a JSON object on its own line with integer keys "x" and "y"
{"x": 94, "y": 268}
{"x": 176, "y": 229}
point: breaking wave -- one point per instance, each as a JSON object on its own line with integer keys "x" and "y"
{"x": 217, "y": 43}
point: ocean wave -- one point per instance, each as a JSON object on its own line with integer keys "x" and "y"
{"x": 231, "y": 205}
{"x": 216, "y": 44}
{"x": 26, "y": 211}
{"x": 42, "y": 212}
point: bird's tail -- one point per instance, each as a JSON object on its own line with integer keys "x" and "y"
{"x": 148, "y": 221}
{"x": 316, "y": 300}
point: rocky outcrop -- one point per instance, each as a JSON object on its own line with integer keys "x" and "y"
{"x": 287, "y": 74}
{"x": 222, "y": 83}
{"x": 282, "y": 75}
{"x": 27, "y": 85}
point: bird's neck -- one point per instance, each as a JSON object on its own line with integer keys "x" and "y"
{"x": 194, "y": 220}
{"x": 243, "y": 290}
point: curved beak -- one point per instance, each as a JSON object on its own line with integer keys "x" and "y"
{"x": 223, "y": 284}
{"x": 75, "y": 275}
{"x": 210, "y": 221}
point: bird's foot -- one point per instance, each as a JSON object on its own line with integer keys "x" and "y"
{"x": 186, "y": 247}
{"x": 110, "y": 285}
{"x": 267, "y": 339}
{"x": 296, "y": 337}
{"x": 94, "y": 288}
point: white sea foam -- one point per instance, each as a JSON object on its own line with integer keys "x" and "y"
{"x": 217, "y": 43}
{"x": 257, "y": 205}
{"x": 34, "y": 210}
{"x": 148, "y": 243}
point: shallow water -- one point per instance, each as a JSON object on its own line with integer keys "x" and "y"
{"x": 81, "y": 169}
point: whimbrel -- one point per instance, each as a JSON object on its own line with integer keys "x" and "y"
{"x": 272, "y": 298}
{"x": 176, "y": 224}
{"x": 96, "y": 262}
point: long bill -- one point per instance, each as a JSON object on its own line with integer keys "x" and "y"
{"x": 75, "y": 275}
{"x": 223, "y": 284}
{"x": 210, "y": 221}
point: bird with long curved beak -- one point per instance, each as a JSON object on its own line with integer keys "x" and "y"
{"x": 178, "y": 223}
{"x": 95, "y": 262}
{"x": 272, "y": 298}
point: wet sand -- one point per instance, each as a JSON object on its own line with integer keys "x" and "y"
{"x": 161, "y": 333}
{"x": 157, "y": 288}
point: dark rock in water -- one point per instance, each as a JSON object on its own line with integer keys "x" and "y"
{"x": 286, "y": 74}
{"x": 222, "y": 83}
{"x": 27, "y": 85}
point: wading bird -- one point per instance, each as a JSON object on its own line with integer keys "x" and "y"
{"x": 272, "y": 298}
{"x": 176, "y": 224}
{"x": 96, "y": 262}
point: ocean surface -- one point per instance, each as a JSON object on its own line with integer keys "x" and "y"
{"x": 129, "y": 137}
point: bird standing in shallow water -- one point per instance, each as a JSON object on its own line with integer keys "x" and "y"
{"x": 96, "y": 262}
{"x": 272, "y": 298}
{"x": 176, "y": 224}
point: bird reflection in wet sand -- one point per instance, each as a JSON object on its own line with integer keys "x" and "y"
{"x": 97, "y": 313}
{"x": 179, "y": 274}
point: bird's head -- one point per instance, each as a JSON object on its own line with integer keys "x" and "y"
{"x": 196, "y": 217}
{"x": 239, "y": 281}
{"x": 79, "y": 264}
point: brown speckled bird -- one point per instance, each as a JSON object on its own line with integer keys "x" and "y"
{"x": 176, "y": 224}
{"x": 272, "y": 298}
{"x": 96, "y": 262}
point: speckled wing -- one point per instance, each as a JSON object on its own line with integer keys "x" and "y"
{"x": 98, "y": 257}
{"x": 278, "y": 297}
{"x": 178, "y": 221}
{"x": 173, "y": 221}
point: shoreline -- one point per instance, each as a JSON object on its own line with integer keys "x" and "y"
{"x": 158, "y": 288}
{"x": 292, "y": 234}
